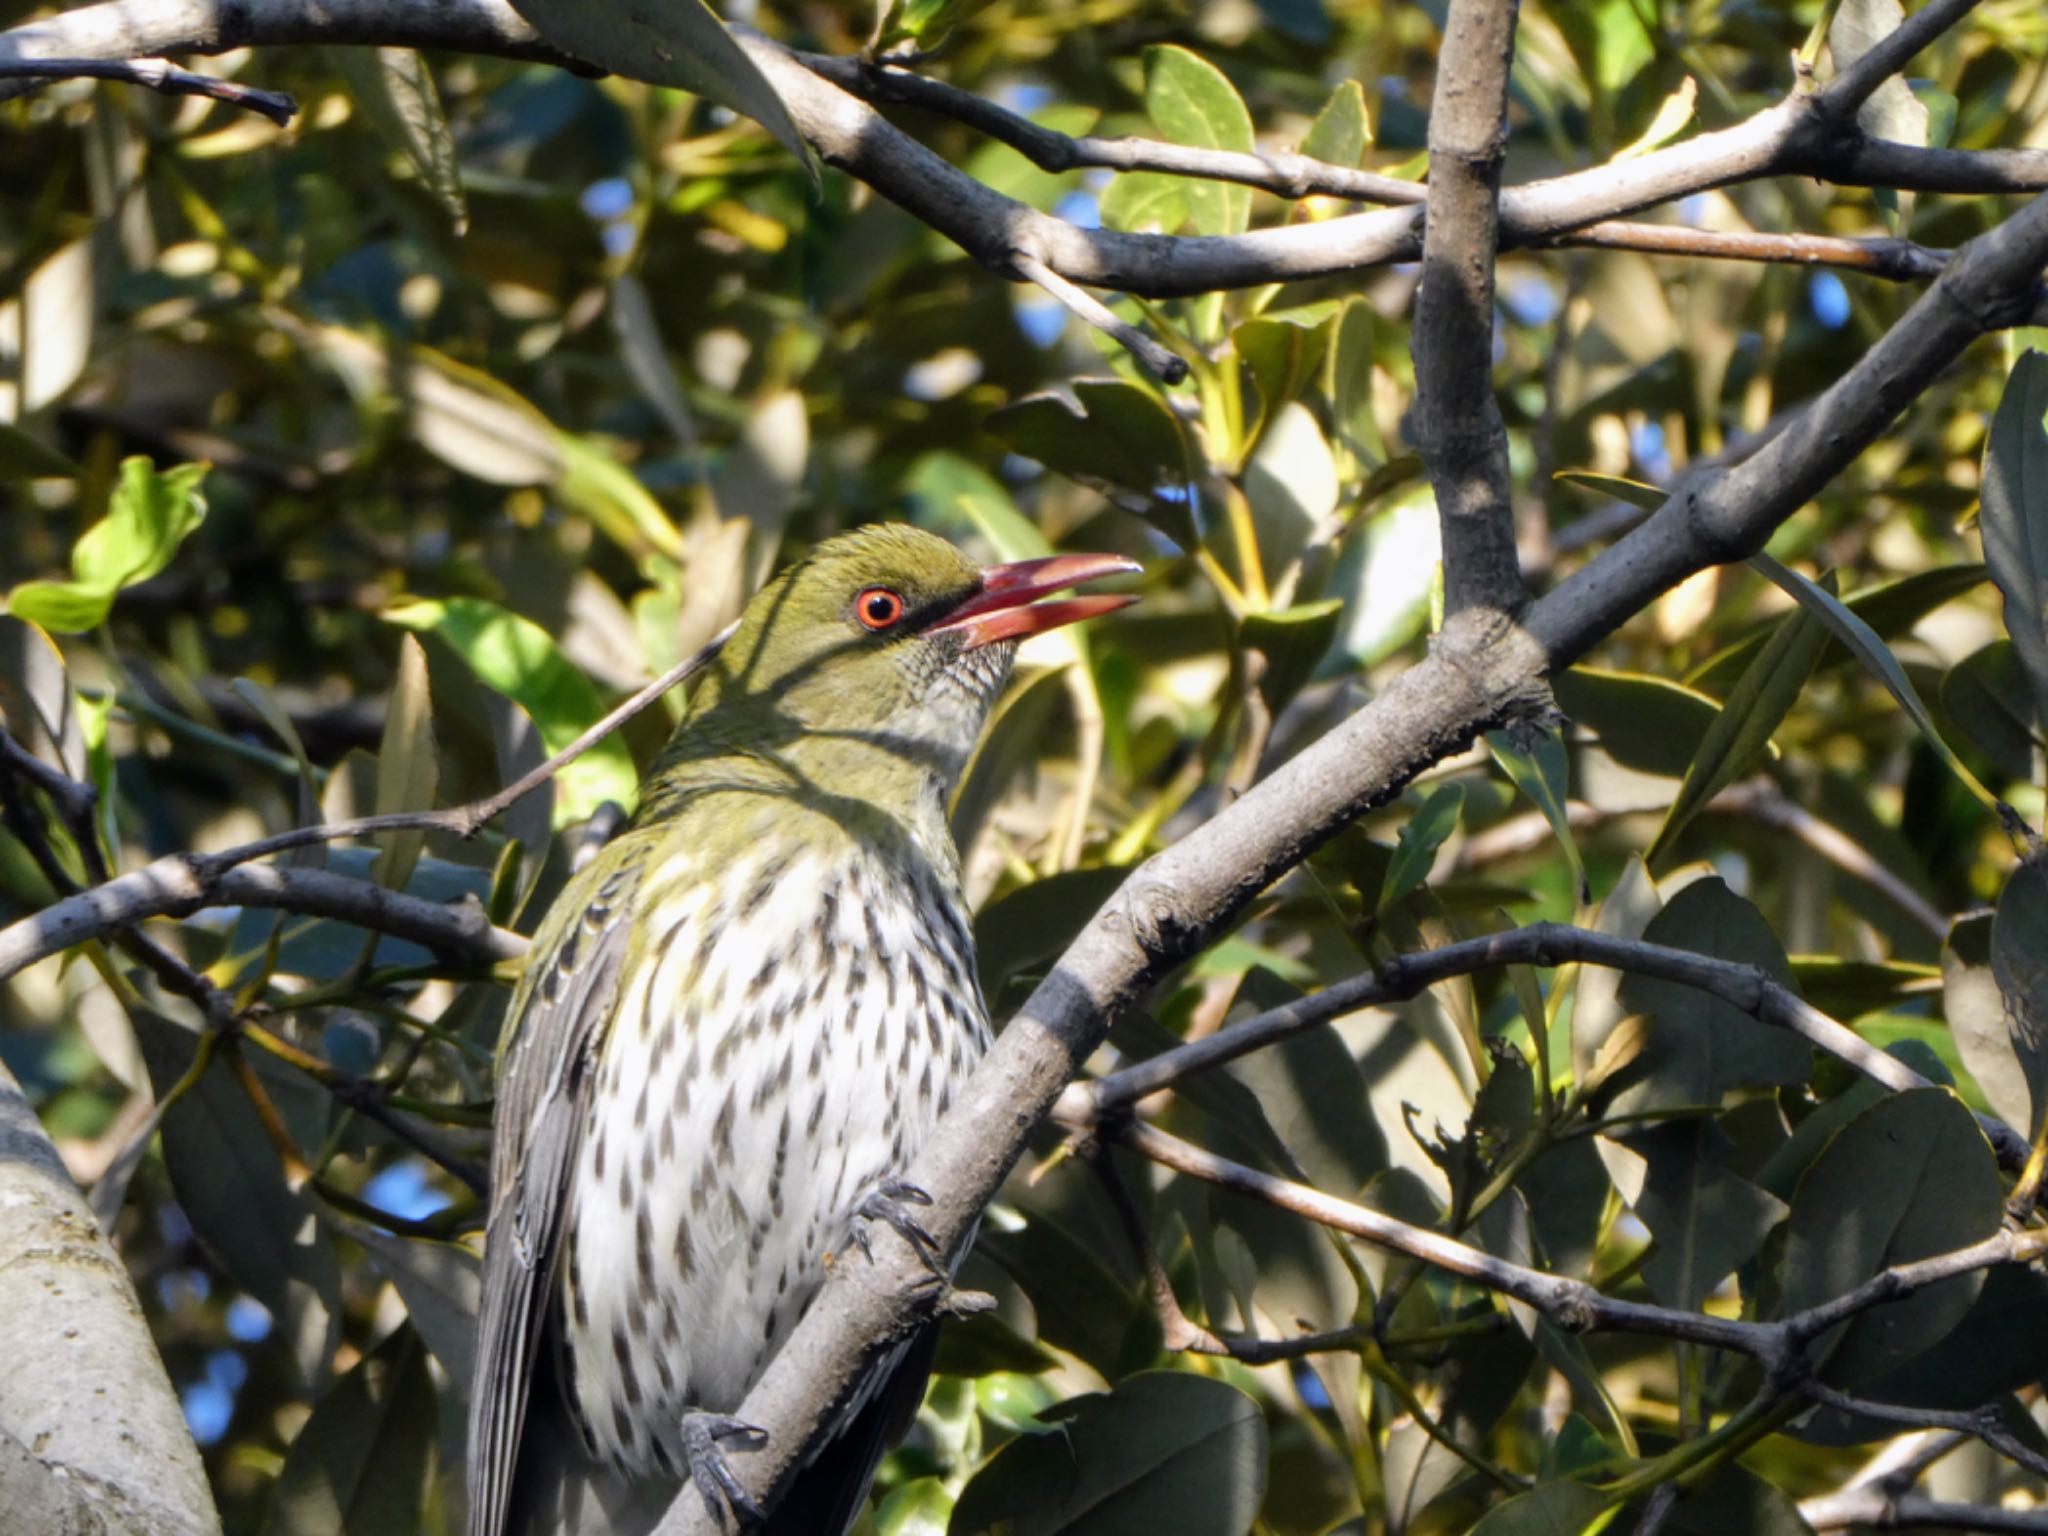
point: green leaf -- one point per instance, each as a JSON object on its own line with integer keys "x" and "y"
{"x": 1863, "y": 643}
{"x": 1191, "y": 101}
{"x": 1986, "y": 694}
{"x": 36, "y": 701}
{"x": 1146, "y": 202}
{"x": 1534, "y": 758}
{"x": 408, "y": 768}
{"x": 2019, "y": 961}
{"x": 958, "y": 496}
{"x": 1759, "y": 702}
{"x": 679, "y": 43}
{"x": 363, "y": 1463}
{"x": 1635, "y": 492}
{"x": 1283, "y": 353}
{"x": 919, "y": 1508}
{"x": 1674, "y": 116}
{"x": 1974, "y": 1009}
{"x": 231, "y": 1185}
{"x": 1163, "y": 1450}
{"x": 1121, "y": 436}
{"x": 1696, "y": 1047}
{"x": 1647, "y": 723}
{"x": 148, "y": 517}
{"x": 394, "y": 90}
{"x": 2014, "y": 515}
{"x": 1341, "y": 132}
{"x": 24, "y": 456}
{"x": 441, "y": 1285}
{"x": 1706, "y": 1220}
{"x": 1349, "y": 386}
{"x": 1908, "y": 1178}
{"x": 515, "y": 657}
{"x": 1889, "y": 608}
{"x": 1293, "y": 641}
{"x": 1550, "y": 1509}
{"x": 1415, "y": 850}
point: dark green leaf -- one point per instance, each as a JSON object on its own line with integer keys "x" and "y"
{"x": 1759, "y": 702}
{"x": 1698, "y": 1047}
{"x": 231, "y": 1184}
{"x": 1910, "y": 1177}
{"x": 1643, "y": 722}
{"x": 1987, "y": 696}
{"x": 2019, "y": 961}
{"x": 668, "y": 42}
{"x": 1706, "y": 1221}
{"x": 1533, "y": 756}
{"x": 1862, "y": 642}
{"x": 394, "y": 90}
{"x": 362, "y": 1464}
{"x": 1550, "y": 1509}
{"x": 1416, "y": 847}
{"x": 1164, "y": 1450}
{"x": 1889, "y": 608}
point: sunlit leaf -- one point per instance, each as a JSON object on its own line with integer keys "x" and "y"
{"x": 516, "y": 657}
{"x": 149, "y": 516}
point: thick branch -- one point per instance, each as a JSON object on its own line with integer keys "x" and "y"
{"x": 1458, "y": 426}
{"x": 90, "y": 1430}
{"x": 1990, "y": 283}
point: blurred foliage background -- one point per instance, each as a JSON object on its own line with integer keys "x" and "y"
{"x": 503, "y": 416}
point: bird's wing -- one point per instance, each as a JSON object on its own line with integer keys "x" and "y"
{"x": 564, "y": 1003}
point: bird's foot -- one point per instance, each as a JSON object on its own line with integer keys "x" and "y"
{"x": 889, "y": 1202}
{"x": 703, "y": 1434}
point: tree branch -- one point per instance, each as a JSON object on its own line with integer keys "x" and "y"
{"x": 157, "y": 76}
{"x": 1794, "y": 137}
{"x": 1877, "y": 1508}
{"x": 1457, "y": 422}
{"x": 1572, "y": 1304}
{"x": 90, "y": 1430}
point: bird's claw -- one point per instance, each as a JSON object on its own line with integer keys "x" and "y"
{"x": 714, "y": 1480}
{"x": 887, "y": 1202}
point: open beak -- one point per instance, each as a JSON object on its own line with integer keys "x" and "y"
{"x": 1007, "y": 606}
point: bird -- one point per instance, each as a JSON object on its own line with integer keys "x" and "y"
{"x": 735, "y": 1027}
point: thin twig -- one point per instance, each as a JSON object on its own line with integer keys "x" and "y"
{"x": 1158, "y": 360}
{"x": 1573, "y": 1304}
{"x": 1541, "y": 944}
{"x": 180, "y": 884}
{"x": 1986, "y": 1424}
{"x": 1877, "y": 1508}
{"x": 158, "y": 75}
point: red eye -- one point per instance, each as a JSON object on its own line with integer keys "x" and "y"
{"x": 878, "y": 608}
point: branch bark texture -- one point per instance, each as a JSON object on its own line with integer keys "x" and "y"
{"x": 1458, "y": 425}
{"x": 91, "y": 1435}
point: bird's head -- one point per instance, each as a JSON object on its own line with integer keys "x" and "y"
{"x": 888, "y": 639}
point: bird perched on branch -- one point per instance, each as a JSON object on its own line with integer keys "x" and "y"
{"x": 736, "y": 1026}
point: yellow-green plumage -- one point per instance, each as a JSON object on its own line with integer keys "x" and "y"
{"x": 736, "y": 1024}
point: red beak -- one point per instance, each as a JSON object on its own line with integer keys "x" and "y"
{"x": 1006, "y": 608}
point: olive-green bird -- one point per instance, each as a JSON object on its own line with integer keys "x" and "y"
{"x": 736, "y": 1026}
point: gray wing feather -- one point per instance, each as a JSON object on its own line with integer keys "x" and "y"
{"x": 564, "y": 1004}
